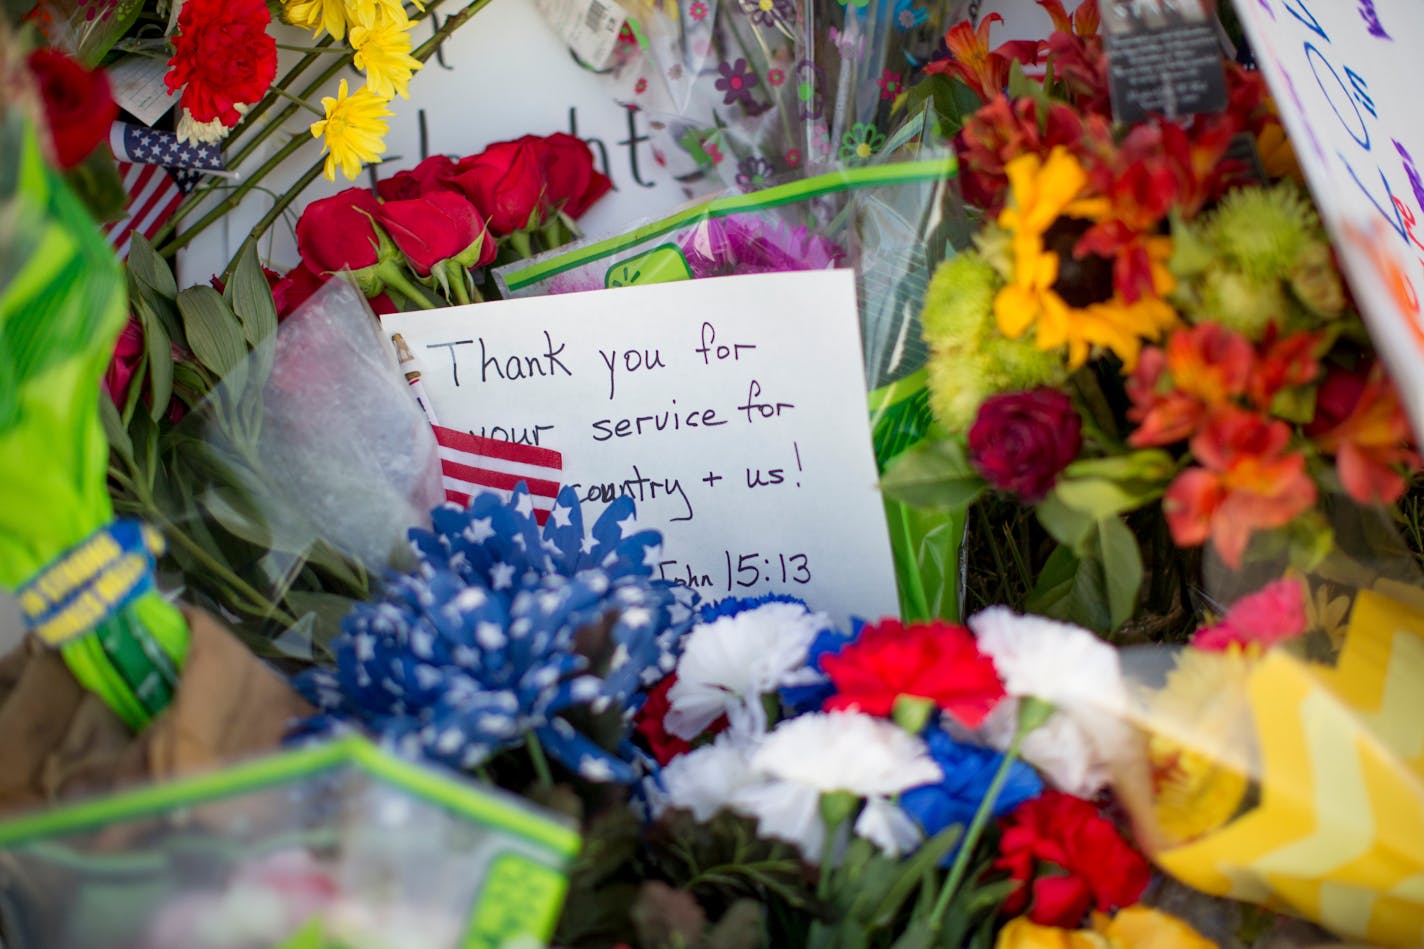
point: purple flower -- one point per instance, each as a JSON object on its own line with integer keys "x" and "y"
{"x": 736, "y": 83}
{"x": 750, "y": 243}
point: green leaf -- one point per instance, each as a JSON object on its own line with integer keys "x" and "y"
{"x": 212, "y": 329}
{"x": 329, "y": 610}
{"x": 147, "y": 266}
{"x": 1122, "y": 568}
{"x": 1067, "y": 525}
{"x": 251, "y": 297}
{"x": 114, "y": 430}
{"x": 1071, "y": 590}
{"x": 934, "y": 475}
{"x": 158, "y": 350}
{"x": 916, "y": 870}
{"x": 236, "y": 517}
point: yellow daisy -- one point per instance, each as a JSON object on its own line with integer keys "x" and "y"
{"x": 372, "y": 13}
{"x": 383, "y": 54}
{"x": 1043, "y": 192}
{"x": 352, "y": 130}
{"x": 317, "y": 15}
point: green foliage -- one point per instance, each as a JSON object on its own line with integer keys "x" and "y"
{"x": 231, "y": 551}
{"x": 934, "y": 475}
{"x": 949, "y": 100}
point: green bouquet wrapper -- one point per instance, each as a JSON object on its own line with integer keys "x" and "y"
{"x": 62, "y": 305}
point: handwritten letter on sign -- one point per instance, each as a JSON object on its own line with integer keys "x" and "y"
{"x": 1344, "y": 75}
{"x": 732, "y": 410}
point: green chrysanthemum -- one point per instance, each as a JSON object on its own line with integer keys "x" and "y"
{"x": 970, "y": 359}
{"x": 1264, "y": 231}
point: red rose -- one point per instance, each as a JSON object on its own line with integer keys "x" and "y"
{"x": 506, "y": 184}
{"x": 1020, "y": 441}
{"x": 222, "y": 58}
{"x": 436, "y": 173}
{"x": 1085, "y": 863}
{"x": 573, "y": 184}
{"x": 936, "y": 661}
{"x": 339, "y": 232}
{"x": 292, "y": 289}
{"x": 79, "y": 108}
{"x": 649, "y": 722}
{"x": 439, "y": 226}
{"x": 128, "y": 353}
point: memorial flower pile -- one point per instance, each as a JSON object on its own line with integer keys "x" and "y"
{"x": 1143, "y": 471}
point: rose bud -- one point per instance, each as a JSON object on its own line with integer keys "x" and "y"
{"x": 573, "y": 183}
{"x": 436, "y": 173}
{"x": 439, "y": 226}
{"x": 506, "y": 183}
{"x": 340, "y": 233}
{"x": 1020, "y": 441}
{"x": 292, "y": 289}
{"x": 79, "y": 107}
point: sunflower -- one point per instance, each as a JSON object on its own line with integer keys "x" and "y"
{"x": 383, "y": 53}
{"x": 352, "y": 130}
{"x": 1201, "y": 746}
{"x": 1056, "y": 292}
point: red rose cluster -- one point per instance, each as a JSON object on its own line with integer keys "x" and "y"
{"x": 442, "y": 218}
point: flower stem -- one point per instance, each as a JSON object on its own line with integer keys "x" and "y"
{"x": 541, "y": 763}
{"x": 1029, "y": 719}
{"x": 313, "y": 49}
{"x": 298, "y": 100}
{"x": 395, "y": 277}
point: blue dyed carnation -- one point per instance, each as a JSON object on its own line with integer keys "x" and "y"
{"x": 475, "y": 649}
{"x": 968, "y": 772}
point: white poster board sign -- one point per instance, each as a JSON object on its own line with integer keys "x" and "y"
{"x": 501, "y": 75}
{"x": 732, "y": 410}
{"x": 1345, "y": 77}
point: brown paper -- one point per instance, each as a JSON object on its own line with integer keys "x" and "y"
{"x": 58, "y": 741}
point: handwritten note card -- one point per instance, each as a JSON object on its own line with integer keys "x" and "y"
{"x": 1345, "y": 77}
{"x": 732, "y": 410}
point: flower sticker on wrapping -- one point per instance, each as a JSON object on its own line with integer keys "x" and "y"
{"x": 754, "y": 172}
{"x": 860, "y": 143}
{"x": 475, "y": 651}
{"x": 810, "y": 90}
{"x": 736, "y": 83}
{"x": 770, "y": 13}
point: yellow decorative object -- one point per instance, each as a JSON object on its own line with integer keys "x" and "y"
{"x": 1338, "y": 836}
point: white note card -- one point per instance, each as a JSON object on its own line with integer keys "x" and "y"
{"x": 732, "y": 410}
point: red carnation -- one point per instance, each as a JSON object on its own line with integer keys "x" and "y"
{"x": 1085, "y": 863}
{"x": 650, "y": 721}
{"x": 1020, "y": 441}
{"x": 222, "y": 58}
{"x": 79, "y": 108}
{"x": 936, "y": 661}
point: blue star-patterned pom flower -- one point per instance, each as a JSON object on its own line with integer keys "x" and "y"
{"x": 475, "y": 649}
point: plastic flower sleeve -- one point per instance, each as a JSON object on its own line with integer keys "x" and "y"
{"x": 1291, "y": 776}
{"x": 338, "y": 844}
{"x": 84, "y": 580}
{"x": 313, "y": 449}
{"x": 739, "y": 88}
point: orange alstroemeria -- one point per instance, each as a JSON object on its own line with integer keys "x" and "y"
{"x": 1172, "y": 390}
{"x": 972, "y": 62}
{"x": 1372, "y": 444}
{"x": 1249, "y": 480}
{"x": 1083, "y": 22}
{"x": 1286, "y": 362}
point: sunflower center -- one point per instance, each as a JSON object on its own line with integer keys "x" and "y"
{"x": 1082, "y": 281}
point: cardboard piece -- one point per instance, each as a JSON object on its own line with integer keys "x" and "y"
{"x": 1342, "y": 75}
{"x": 61, "y": 741}
{"x": 731, "y": 409}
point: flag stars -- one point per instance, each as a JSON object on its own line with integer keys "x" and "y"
{"x": 560, "y": 514}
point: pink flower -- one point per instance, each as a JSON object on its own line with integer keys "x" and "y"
{"x": 1273, "y": 614}
{"x": 128, "y": 353}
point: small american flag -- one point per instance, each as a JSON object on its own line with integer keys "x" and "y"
{"x": 470, "y": 464}
{"x": 157, "y": 171}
